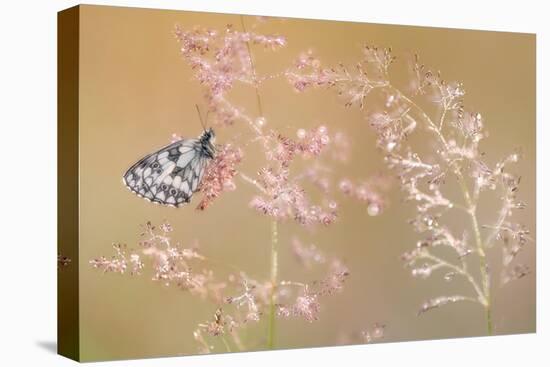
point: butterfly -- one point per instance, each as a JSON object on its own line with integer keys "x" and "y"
{"x": 171, "y": 175}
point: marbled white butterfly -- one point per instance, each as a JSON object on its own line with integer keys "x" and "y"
{"x": 172, "y": 174}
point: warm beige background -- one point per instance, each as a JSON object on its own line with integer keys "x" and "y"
{"x": 136, "y": 91}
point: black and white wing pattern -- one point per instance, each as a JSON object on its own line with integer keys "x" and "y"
{"x": 171, "y": 175}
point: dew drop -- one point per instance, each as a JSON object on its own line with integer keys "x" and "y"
{"x": 390, "y": 100}
{"x": 373, "y": 209}
{"x": 449, "y": 276}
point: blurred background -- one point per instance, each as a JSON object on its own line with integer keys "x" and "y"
{"x": 136, "y": 91}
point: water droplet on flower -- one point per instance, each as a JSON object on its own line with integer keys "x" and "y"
{"x": 345, "y": 185}
{"x": 301, "y": 133}
{"x": 449, "y": 276}
{"x": 229, "y": 185}
{"x": 373, "y": 209}
{"x": 322, "y": 129}
{"x": 390, "y": 100}
{"x": 260, "y": 121}
{"x": 391, "y": 145}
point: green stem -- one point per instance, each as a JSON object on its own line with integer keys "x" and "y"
{"x": 274, "y": 270}
{"x": 226, "y": 344}
{"x": 483, "y": 266}
{"x": 274, "y": 234}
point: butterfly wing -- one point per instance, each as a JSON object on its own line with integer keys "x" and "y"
{"x": 169, "y": 176}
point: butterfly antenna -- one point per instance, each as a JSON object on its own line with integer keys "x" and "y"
{"x": 200, "y": 117}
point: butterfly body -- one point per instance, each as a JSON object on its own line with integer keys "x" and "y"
{"x": 172, "y": 174}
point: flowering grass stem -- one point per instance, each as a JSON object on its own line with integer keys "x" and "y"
{"x": 423, "y": 178}
{"x": 471, "y": 209}
{"x": 273, "y": 277}
{"x": 274, "y": 233}
{"x": 483, "y": 266}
